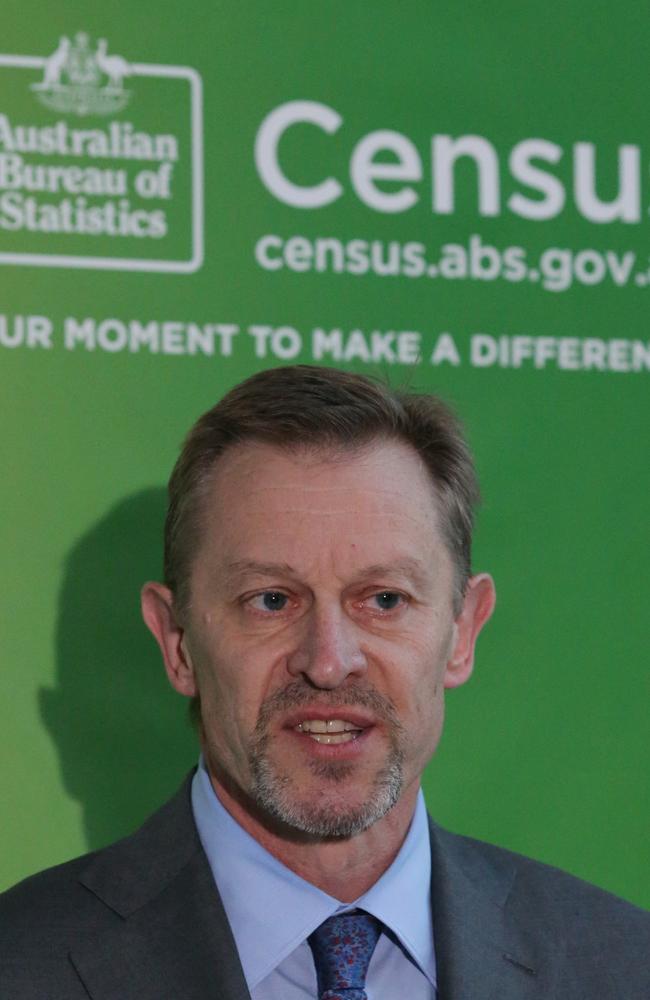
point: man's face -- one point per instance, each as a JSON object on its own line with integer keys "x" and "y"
{"x": 321, "y": 632}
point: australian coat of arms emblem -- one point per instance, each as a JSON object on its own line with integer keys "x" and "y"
{"x": 84, "y": 81}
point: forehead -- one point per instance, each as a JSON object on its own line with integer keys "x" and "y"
{"x": 265, "y": 496}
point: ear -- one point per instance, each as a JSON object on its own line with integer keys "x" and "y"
{"x": 478, "y": 605}
{"x": 158, "y": 612}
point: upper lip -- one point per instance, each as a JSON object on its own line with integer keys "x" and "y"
{"x": 355, "y": 717}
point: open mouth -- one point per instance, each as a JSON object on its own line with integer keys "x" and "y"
{"x": 329, "y": 732}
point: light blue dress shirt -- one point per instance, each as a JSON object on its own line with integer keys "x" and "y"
{"x": 272, "y": 911}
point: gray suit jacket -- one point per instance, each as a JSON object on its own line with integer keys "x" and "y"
{"x": 142, "y": 920}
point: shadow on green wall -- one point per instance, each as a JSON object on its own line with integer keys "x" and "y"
{"x": 122, "y": 734}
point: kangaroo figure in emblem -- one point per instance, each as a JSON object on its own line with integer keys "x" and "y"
{"x": 55, "y": 63}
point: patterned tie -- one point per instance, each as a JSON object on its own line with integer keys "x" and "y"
{"x": 342, "y": 948}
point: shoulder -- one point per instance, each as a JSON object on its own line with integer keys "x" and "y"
{"x": 538, "y": 924}
{"x": 50, "y": 898}
{"x": 39, "y": 918}
{"x": 538, "y": 892}
{"x": 84, "y": 899}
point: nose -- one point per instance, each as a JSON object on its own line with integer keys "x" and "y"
{"x": 328, "y": 651}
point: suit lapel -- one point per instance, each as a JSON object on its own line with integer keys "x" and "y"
{"x": 488, "y": 943}
{"x": 172, "y": 940}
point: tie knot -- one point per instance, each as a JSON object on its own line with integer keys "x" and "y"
{"x": 342, "y": 947}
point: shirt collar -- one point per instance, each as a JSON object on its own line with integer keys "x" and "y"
{"x": 253, "y": 885}
{"x": 401, "y": 898}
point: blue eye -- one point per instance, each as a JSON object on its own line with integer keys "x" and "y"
{"x": 270, "y": 600}
{"x": 388, "y": 600}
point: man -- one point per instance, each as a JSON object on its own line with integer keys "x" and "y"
{"x": 318, "y": 600}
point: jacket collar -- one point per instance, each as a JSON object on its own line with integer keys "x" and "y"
{"x": 490, "y": 944}
{"x": 172, "y": 938}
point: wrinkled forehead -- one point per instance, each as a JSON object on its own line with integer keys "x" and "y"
{"x": 309, "y": 506}
{"x": 384, "y": 473}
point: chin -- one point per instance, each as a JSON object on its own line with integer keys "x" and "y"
{"x": 331, "y": 810}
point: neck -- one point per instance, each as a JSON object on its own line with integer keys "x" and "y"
{"x": 343, "y": 867}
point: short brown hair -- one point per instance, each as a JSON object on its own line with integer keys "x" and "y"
{"x": 305, "y": 405}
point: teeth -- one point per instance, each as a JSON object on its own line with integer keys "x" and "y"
{"x": 331, "y": 726}
{"x": 330, "y": 731}
{"x": 335, "y": 737}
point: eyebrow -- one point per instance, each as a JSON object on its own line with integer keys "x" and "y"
{"x": 242, "y": 566}
{"x": 406, "y": 567}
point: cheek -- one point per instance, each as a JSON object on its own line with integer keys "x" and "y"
{"x": 231, "y": 681}
{"x": 422, "y": 659}
{"x": 417, "y": 686}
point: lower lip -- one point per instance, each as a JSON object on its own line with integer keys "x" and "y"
{"x": 349, "y": 748}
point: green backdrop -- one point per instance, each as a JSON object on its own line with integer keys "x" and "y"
{"x": 453, "y": 197}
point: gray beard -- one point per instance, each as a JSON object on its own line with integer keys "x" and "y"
{"x": 273, "y": 790}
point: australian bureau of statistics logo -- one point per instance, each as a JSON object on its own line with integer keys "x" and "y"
{"x": 81, "y": 80}
{"x": 101, "y": 160}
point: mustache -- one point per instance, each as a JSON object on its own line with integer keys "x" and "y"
{"x": 298, "y": 693}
